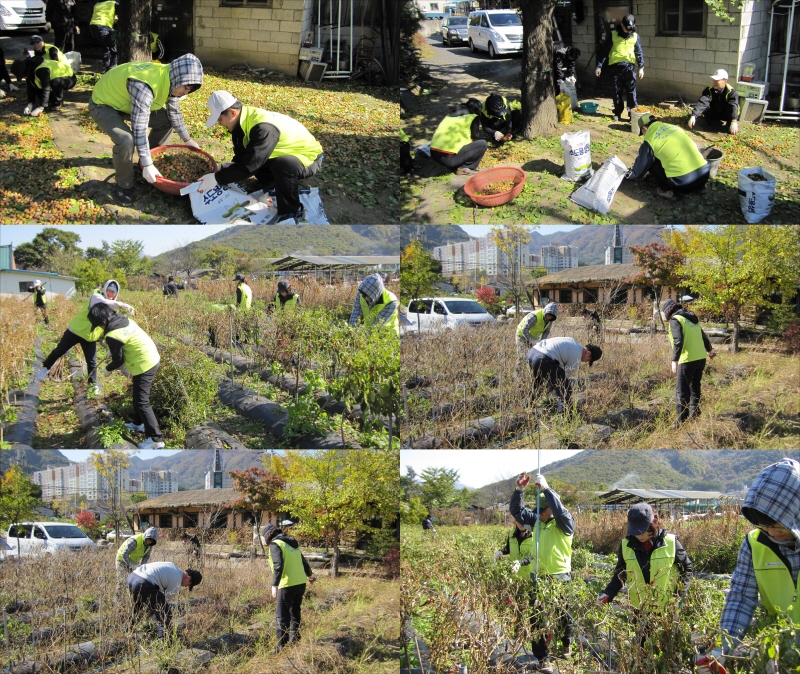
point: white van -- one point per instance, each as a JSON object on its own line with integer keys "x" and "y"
{"x": 430, "y": 314}
{"x": 497, "y": 31}
{"x": 28, "y": 539}
{"x": 16, "y": 14}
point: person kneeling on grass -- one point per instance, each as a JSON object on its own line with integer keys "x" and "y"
{"x": 278, "y": 150}
{"x": 153, "y": 585}
{"x": 132, "y": 349}
{"x": 80, "y": 331}
{"x": 290, "y": 571}
{"x": 768, "y": 566}
{"x": 670, "y": 155}
{"x": 551, "y": 360}
{"x": 458, "y": 142}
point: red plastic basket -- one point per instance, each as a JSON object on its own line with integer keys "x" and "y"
{"x": 173, "y": 186}
{"x": 493, "y": 175}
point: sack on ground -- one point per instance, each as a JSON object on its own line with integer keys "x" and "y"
{"x": 577, "y": 155}
{"x": 569, "y": 89}
{"x": 564, "y": 108}
{"x": 756, "y": 193}
{"x": 598, "y": 193}
{"x": 74, "y": 59}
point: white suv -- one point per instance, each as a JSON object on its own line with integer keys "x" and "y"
{"x": 430, "y": 314}
{"x": 15, "y": 14}
{"x": 29, "y": 539}
{"x": 497, "y": 31}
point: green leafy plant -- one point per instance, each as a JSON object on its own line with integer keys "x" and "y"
{"x": 112, "y": 432}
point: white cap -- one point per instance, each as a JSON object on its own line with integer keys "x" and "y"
{"x": 219, "y": 102}
{"x": 720, "y": 75}
{"x": 37, "y": 282}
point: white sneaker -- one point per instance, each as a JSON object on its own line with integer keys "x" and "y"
{"x": 133, "y": 427}
{"x": 41, "y": 375}
{"x": 151, "y": 444}
{"x": 94, "y": 390}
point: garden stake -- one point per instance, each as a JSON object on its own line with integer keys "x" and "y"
{"x": 591, "y": 648}
{"x": 608, "y": 663}
{"x": 538, "y": 491}
{"x": 230, "y": 335}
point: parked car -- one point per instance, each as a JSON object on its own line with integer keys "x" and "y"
{"x": 497, "y": 31}
{"x": 454, "y": 29}
{"x": 512, "y": 311}
{"x": 430, "y": 314}
{"x": 28, "y": 14}
{"x": 123, "y": 534}
{"x": 28, "y": 539}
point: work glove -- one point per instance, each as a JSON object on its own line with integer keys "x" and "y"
{"x": 523, "y": 481}
{"x": 191, "y": 143}
{"x": 711, "y": 663}
{"x": 274, "y": 592}
{"x": 207, "y": 182}
{"x": 150, "y": 173}
{"x": 641, "y": 73}
{"x": 37, "y": 111}
{"x": 674, "y": 367}
{"x": 734, "y": 127}
{"x": 13, "y": 87}
{"x": 539, "y": 481}
{"x": 28, "y": 109}
{"x": 597, "y": 72}
{"x": 124, "y": 371}
{"x": 516, "y": 566}
{"x": 692, "y": 121}
{"x": 525, "y": 561}
{"x": 497, "y": 554}
{"x": 602, "y": 600}
{"x": 312, "y": 580}
{"x": 498, "y": 136}
{"x": 571, "y": 80}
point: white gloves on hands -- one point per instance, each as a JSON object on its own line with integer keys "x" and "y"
{"x": 13, "y": 87}
{"x": 191, "y": 143}
{"x": 28, "y": 109}
{"x": 207, "y": 182}
{"x": 597, "y": 72}
{"x": 150, "y": 173}
{"x": 641, "y": 73}
{"x": 602, "y": 600}
{"x": 37, "y": 111}
{"x": 734, "y": 127}
{"x": 570, "y": 80}
{"x": 498, "y": 136}
{"x": 692, "y": 121}
{"x": 128, "y": 307}
{"x": 674, "y": 367}
{"x": 515, "y": 567}
{"x": 498, "y": 554}
{"x": 539, "y": 481}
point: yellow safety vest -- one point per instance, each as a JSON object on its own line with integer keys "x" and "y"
{"x": 247, "y": 296}
{"x": 777, "y": 591}
{"x": 153, "y": 41}
{"x": 139, "y": 351}
{"x": 693, "y": 348}
{"x": 291, "y": 303}
{"x": 112, "y": 88}
{"x": 452, "y": 134}
{"x": 623, "y": 49}
{"x": 293, "y": 572}
{"x": 674, "y": 149}
{"x": 138, "y": 554}
{"x": 369, "y": 315}
{"x": 103, "y": 14}
{"x": 294, "y": 140}
{"x": 80, "y": 325}
{"x": 537, "y": 330}
{"x": 60, "y": 57}
{"x": 519, "y": 551}
{"x": 555, "y": 548}
{"x": 663, "y": 573}
{"x": 56, "y": 68}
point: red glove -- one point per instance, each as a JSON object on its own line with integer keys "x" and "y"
{"x": 523, "y": 481}
{"x": 705, "y": 664}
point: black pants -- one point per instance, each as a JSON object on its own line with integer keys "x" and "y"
{"x": 43, "y": 309}
{"x": 285, "y": 173}
{"x": 107, "y": 38}
{"x": 68, "y": 340}
{"x": 548, "y": 372}
{"x": 624, "y": 75}
{"x": 148, "y": 597}
{"x": 687, "y": 388}
{"x": 691, "y": 182}
{"x": 64, "y": 38}
{"x": 468, "y": 156}
{"x": 142, "y": 409}
{"x": 58, "y": 86}
{"x": 557, "y": 615}
{"x": 712, "y": 118}
{"x": 287, "y": 614}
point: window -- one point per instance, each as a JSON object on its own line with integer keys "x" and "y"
{"x": 465, "y": 307}
{"x": 38, "y": 532}
{"x": 248, "y": 519}
{"x": 475, "y": 19}
{"x": 219, "y": 521}
{"x": 20, "y": 531}
{"x": 165, "y": 521}
{"x": 24, "y": 285}
{"x": 189, "y": 520}
{"x": 420, "y": 307}
{"x": 434, "y": 6}
{"x": 648, "y": 293}
{"x": 682, "y": 17}
{"x": 484, "y": 21}
{"x": 565, "y": 297}
{"x": 438, "y": 308}
{"x": 620, "y": 296}
{"x": 590, "y": 295}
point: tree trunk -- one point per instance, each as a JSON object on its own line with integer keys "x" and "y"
{"x": 539, "y": 115}
{"x": 736, "y": 330}
{"x": 336, "y": 554}
{"x": 133, "y": 31}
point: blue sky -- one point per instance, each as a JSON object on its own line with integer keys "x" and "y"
{"x": 478, "y": 467}
{"x": 146, "y": 454}
{"x": 483, "y": 230}
{"x": 156, "y": 238}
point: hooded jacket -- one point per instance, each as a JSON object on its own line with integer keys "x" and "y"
{"x": 277, "y": 556}
{"x": 130, "y": 545}
{"x": 374, "y": 289}
{"x": 776, "y": 493}
{"x": 677, "y": 333}
{"x": 115, "y": 346}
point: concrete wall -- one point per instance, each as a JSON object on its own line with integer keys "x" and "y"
{"x": 262, "y": 37}
{"x": 11, "y": 278}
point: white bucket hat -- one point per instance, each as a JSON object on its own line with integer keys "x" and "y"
{"x": 720, "y": 75}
